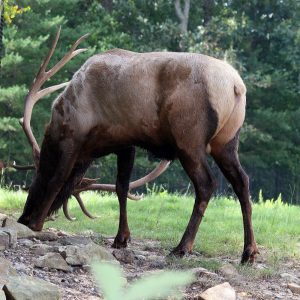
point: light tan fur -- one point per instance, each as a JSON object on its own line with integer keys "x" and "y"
{"x": 119, "y": 93}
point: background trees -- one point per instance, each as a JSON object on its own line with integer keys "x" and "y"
{"x": 260, "y": 38}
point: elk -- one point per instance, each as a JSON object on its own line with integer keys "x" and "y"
{"x": 176, "y": 105}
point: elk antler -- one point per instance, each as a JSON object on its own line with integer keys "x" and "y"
{"x": 35, "y": 94}
{"x": 163, "y": 165}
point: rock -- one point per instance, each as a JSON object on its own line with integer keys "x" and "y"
{"x": 26, "y": 288}
{"x": 290, "y": 278}
{"x": 41, "y": 249}
{"x": 228, "y": 270}
{"x": 84, "y": 254}
{"x": 21, "y": 230}
{"x": 6, "y": 270}
{"x": 46, "y": 236}
{"x": 2, "y": 295}
{"x": 222, "y": 291}
{"x": 295, "y": 288}
{"x": 124, "y": 255}
{"x": 52, "y": 261}
{"x": 140, "y": 260}
{"x": 4, "y": 240}
{"x": 12, "y": 236}
{"x": 3, "y": 217}
{"x": 202, "y": 272}
{"x": 26, "y": 243}
{"x": 157, "y": 262}
{"x": 75, "y": 240}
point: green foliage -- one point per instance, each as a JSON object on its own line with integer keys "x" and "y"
{"x": 110, "y": 280}
{"x": 11, "y": 10}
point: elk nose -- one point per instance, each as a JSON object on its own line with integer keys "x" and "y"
{"x": 35, "y": 226}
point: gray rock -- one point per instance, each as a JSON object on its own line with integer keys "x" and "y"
{"x": 290, "y": 278}
{"x": 28, "y": 288}
{"x": 2, "y": 295}
{"x": 3, "y": 217}
{"x": 41, "y": 249}
{"x": 13, "y": 237}
{"x": 124, "y": 255}
{"x": 4, "y": 240}
{"x": 6, "y": 270}
{"x": 222, "y": 291}
{"x": 295, "y": 288}
{"x": 202, "y": 272}
{"x": 228, "y": 270}
{"x": 26, "y": 243}
{"x": 52, "y": 261}
{"x": 75, "y": 240}
{"x": 84, "y": 254}
{"x": 46, "y": 236}
{"x": 21, "y": 230}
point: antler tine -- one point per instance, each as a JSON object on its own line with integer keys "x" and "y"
{"x": 50, "y": 53}
{"x": 82, "y": 206}
{"x": 68, "y": 56}
{"x": 66, "y": 211}
{"x": 162, "y": 166}
{"x": 35, "y": 93}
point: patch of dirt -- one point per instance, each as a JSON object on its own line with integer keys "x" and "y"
{"x": 146, "y": 256}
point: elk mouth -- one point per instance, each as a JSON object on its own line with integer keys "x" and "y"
{"x": 34, "y": 224}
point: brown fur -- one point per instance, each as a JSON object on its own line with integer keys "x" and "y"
{"x": 172, "y": 104}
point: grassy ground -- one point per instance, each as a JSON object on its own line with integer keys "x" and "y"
{"x": 164, "y": 217}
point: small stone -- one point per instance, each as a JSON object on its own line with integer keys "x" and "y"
{"x": 75, "y": 240}
{"x": 46, "y": 236}
{"x": 41, "y": 249}
{"x": 3, "y": 217}
{"x": 20, "y": 267}
{"x": 202, "y": 272}
{"x": 13, "y": 236}
{"x": 124, "y": 255}
{"x": 4, "y": 240}
{"x": 52, "y": 261}
{"x": 295, "y": 288}
{"x": 158, "y": 264}
{"x": 243, "y": 295}
{"x": 228, "y": 270}
{"x": 290, "y": 278}
{"x": 26, "y": 287}
{"x": 25, "y": 242}
{"x": 222, "y": 291}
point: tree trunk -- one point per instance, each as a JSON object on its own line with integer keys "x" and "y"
{"x": 183, "y": 16}
{"x": 207, "y": 7}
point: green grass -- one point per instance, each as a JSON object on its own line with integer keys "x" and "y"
{"x": 164, "y": 217}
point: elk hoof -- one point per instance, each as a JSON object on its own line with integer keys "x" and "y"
{"x": 249, "y": 254}
{"x": 180, "y": 252}
{"x": 120, "y": 242}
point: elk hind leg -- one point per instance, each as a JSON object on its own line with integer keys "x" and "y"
{"x": 198, "y": 171}
{"x": 226, "y": 157}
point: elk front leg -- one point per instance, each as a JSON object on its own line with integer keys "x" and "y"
{"x": 198, "y": 171}
{"x": 125, "y": 164}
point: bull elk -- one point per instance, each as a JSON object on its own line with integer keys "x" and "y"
{"x": 175, "y": 105}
